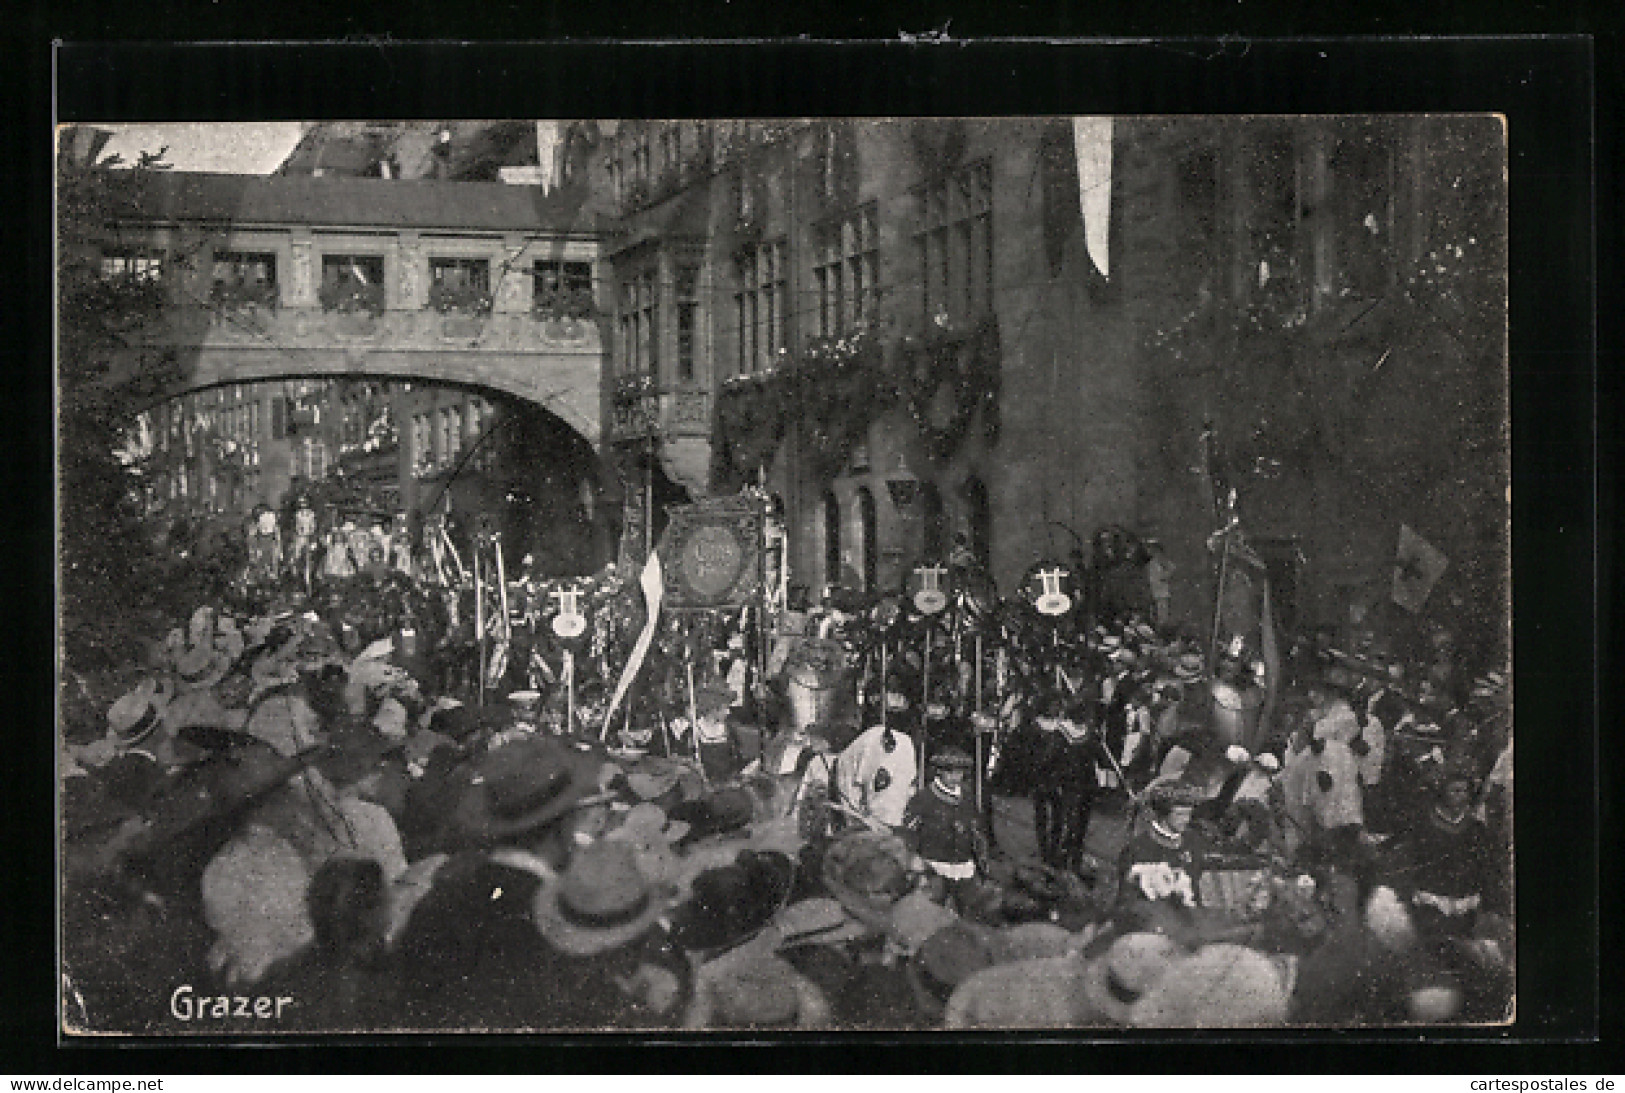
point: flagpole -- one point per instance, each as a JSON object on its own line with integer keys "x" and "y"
{"x": 479, "y": 622}
{"x": 694, "y": 720}
{"x": 569, "y": 692}
{"x": 925, "y": 702}
{"x": 976, "y": 730}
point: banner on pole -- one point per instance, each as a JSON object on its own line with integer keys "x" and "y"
{"x": 653, "y": 584}
{"x": 1417, "y": 568}
{"x": 1092, "y": 143}
{"x": 713, "y": 554}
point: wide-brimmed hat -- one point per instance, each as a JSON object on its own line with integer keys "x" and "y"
{"x": 1034, "y": 993}
{"x": 733, "y": 903}
{"x": 1188, "y": 667}
{"x": 756, "y": 991}
{"x": 524, "y": 786}
{"x": 285, "y": 721}
{"x": 948, "y": 958}
{"x": 820, "y": 920}
{"x": 951, "y": 758}
{"x": 1119, "y": 977}
{"x": 602, "y": 901}
{"x": 136, "y": 714}
{"x": 1174, "y": 792}
{"x": 867, "y": 871}
{"x": 201, "y": 666}
{"x": 1218, "y": 986}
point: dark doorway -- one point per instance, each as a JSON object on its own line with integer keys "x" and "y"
{"x": 832, "y": 540}
{"x": 934, "y": 525}
{"x": 978, "y": 520}
{"x": 866, "y": 540}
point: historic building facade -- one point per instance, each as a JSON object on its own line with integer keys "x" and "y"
{"x": 279, "y": 285}
{"x": 1025, "y": 330}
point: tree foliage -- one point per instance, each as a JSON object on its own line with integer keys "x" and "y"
{"x": 110, "y": 576}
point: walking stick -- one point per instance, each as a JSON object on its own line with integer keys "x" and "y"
{"x": 479, "y": 625}
{"x": 1218, "y": 604}
{"x": 569, "y": 692}
{"x": 925, "y": 701}
{"x": 978, "y": 732}
{"x": 694, "y": 720}
{"x": 883, "y": 702}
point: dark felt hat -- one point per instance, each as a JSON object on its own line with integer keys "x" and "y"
{"x": 523, "y": 786}
{"x": 733, "y": 903}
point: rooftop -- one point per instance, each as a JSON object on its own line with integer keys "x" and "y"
{"x": 251, "y": 200}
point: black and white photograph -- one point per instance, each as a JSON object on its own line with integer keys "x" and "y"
{"x": 746, "y": 576}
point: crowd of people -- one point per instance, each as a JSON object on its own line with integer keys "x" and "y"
{"x": 306, "y": 804}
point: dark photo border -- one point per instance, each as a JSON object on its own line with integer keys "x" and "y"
{"x": 1544, "y": 88}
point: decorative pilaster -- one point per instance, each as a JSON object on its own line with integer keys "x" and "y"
{"x": 412, "y": 272}
{"x": 510, "y": 284}
{"x": 299, "y": 290}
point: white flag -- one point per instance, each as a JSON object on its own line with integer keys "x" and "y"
{"x": 1092, "y": 143}
{"x": 654, "y": 588}
{"x": 1418, "y": 565}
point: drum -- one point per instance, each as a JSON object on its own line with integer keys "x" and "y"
{"x": 1236, "y": 713}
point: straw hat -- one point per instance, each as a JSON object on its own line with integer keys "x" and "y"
{"x": 602, "y": 901}
{"x": 757, "y": 991}
{"x": 1119, "y": 977}
{"x": 135, "y": 715}
{"x": 1218, "y": 986}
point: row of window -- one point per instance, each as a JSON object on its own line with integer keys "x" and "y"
{"x": 1294, "y": 236}
{"x": 441, "y": 436}
{"x": 953, "y": 260}
{"x": 860, "y": 531}
{"x": 560, "y": 288}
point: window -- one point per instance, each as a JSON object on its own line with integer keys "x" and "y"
{"x": 310, "y": 459}
{"x": 352, "y": 282}
{"x": 832, "y": 540}
{"x": 1197, "y": 194}
{"x": 639, "y": 323}
{"x": 955, "y": 244}
{"x": 1360, "y": 167}
{"x": 422, "y": 443}
{"x": 978, "y": 521}
{"x": 451, "y": 430}
{"x": 671, "y": 149}
{"x": 760, "y": 305}
{"x": 279, "y": 417}
{"x": 1270, "y": 173}
{"x": 844, "y": 270}
{"x": 137, "y": 264}
{"x": 867, "y": 546}
{"x": 241, "y": 278}
{"x": 688, "y": 314}
{"x": 460, "y": 284}
{"x": 562, "y": 290}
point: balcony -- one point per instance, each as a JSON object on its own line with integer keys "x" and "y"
{"x": 640, "y": 410}
{"x": 258, "y": 322}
